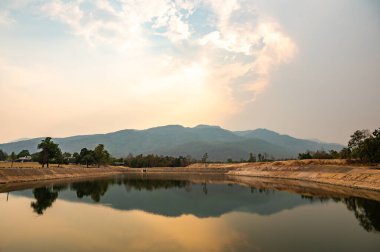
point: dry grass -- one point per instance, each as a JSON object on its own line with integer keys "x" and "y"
{"x": 287, "y": 163}
{"x": 20, "y": 165}
{"x": 298, "y": 163}
{"x": 311, "y": 162}
{"x": 35, "y": 165}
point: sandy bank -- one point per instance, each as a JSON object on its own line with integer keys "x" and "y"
{"x": 329, "y": 172}
{"x": 349, "y": 176}
{"x": 17, "y": 175}
{"x": 304, "y": 188}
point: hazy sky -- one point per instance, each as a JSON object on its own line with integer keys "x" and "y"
{"x": 310, "y": 69}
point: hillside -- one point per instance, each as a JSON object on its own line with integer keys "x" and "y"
{"x": 292, "y": 144}
{"x": 176, "y": 140}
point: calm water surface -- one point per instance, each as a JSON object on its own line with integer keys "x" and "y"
{"x": 129, "y": 214}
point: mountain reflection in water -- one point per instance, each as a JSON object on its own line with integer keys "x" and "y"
{"x": 178, "y": 197}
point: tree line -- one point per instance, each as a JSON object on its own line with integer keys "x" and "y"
{"x": 363, "y": 146}
{"x": 151, "y": 160}
{"x": 13, "y": 156}
{"x": 49, "y": 152}
{"x": 252, "y": 158}
{"x": 321, "y": 154}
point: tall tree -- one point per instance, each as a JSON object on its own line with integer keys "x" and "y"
{"x": 252, "y": 158}
{"x": 260, "y": 157}
{"x": 3, "y": 155}
{"x": 205, "y": 157}
{"x": 23, "y": 153}
{"x": 13, "y": 157}
{"x": 101, "y": 155}
{"x": 365, "y": 145}
{"x": 59, "y": 158}
{"x": 358, "y": 138}
{"x": 67, "y": 157}
{"x": 76, "y": 157}
{"x": 49, "y": 150}
{"x": 86, "y": 156}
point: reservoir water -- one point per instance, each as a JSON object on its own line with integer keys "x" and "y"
{"x": 125, "y": 213}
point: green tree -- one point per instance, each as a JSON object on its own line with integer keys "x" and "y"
{"x": 356, "y": 143}
{"x": 13, "y": 157}
{"x": 345, "y": 153}
{"x": 86, "y": 156}
{"x": 154, "y": 161}
{"x": 252, "y": 158}
{"x": 36, "y": 157}
{"x": 49, "y": 150}
{"x": 23, "y": 153}
{"x": 59, "y": 157}
{"x": 333, "y": 154}
{"x": 358, "y": 138}
{"x": 3, "y": 155}
{"x": 76, "y": 157}
{"x": 376, "y": 146}
{"x": 205, "y": 157}
{"x": 66, "y": 157}
{"x": 365, "y": 145}
{"x": 101, "y": 155}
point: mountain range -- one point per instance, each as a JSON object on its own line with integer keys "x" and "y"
{"x": 176, "y": 140}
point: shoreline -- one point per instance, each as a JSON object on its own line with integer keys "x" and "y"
{"x": 26, "y": 175}
{"x": 352, "y": 177}
{"x": 306, "y": 174}
{"x": 305, "y": 188}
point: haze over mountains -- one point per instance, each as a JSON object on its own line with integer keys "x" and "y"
{"x": 176, "y": 140}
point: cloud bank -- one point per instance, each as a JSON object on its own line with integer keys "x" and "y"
{"x": 165, "y": 60}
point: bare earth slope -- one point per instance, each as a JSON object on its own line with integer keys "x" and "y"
{"x": 335, "y": 172}
{"x": 17, "y": 175}
{"x": 332, "y": 172}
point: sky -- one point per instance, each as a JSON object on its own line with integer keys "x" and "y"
{"x": 310, "y": 69}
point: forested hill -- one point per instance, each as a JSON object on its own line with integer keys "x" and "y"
{"x": 175, "y": 140}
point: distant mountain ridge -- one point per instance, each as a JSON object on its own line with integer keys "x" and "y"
{"x": 175, "y": 140}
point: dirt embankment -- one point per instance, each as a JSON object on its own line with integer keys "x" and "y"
{"x": 304, "y": 188}
{"x": 332, "y": 172}
{"x": 17, "y": 175}
{"x": 355, "y": 177}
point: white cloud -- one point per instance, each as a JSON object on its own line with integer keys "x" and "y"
{"x": 240, "y": 52}
{"x": 188, "y": 80}
{"x": 128, "y": 26}
{"x": 5, "y": 19}
{"x": 249, "y": 35}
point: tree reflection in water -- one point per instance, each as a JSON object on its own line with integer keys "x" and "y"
{"x": 44, "y": 199}
{"x": 150, "y": 185}
{"x": 367, "y": 212}
{"x": 94, "y": 189}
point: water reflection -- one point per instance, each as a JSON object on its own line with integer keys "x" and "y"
{"x": 44, "y": 199}
{"x": 367, "y": 212}
{"x": 94, "y": 189}
{"x": 151, "y": 185}
{"x": 178, "y": 197}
